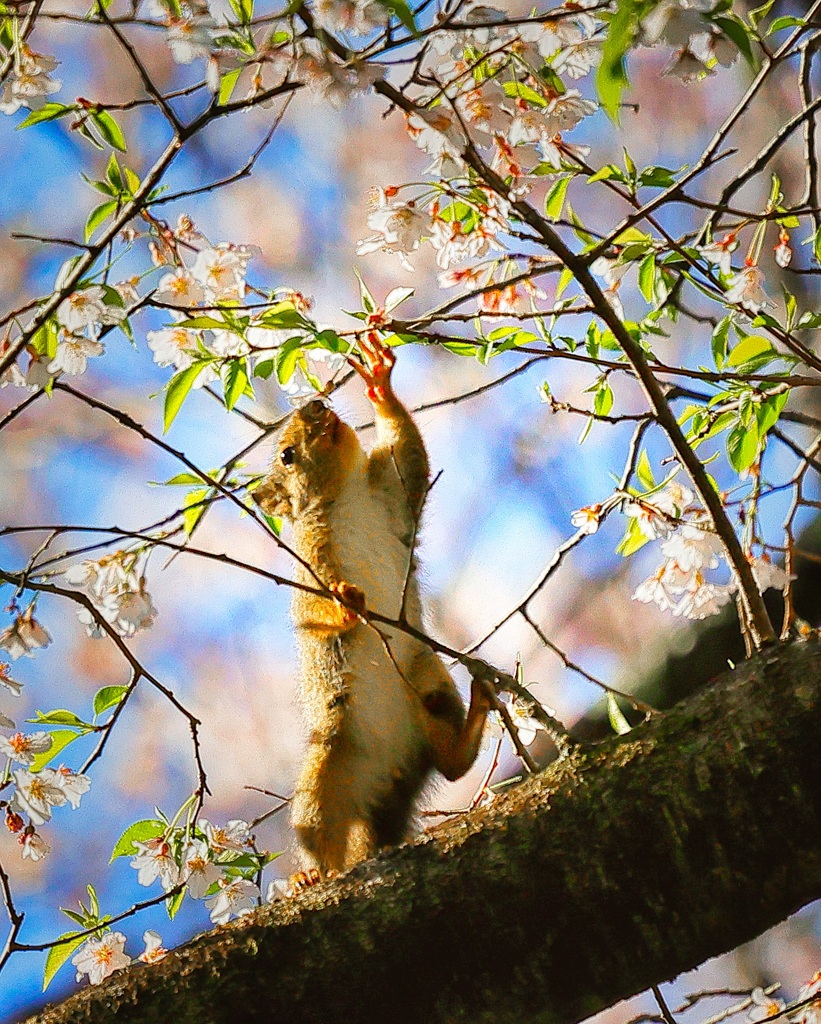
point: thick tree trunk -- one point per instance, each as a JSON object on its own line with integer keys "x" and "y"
{"x": 618, "y": 867}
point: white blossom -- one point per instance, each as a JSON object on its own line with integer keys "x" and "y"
{"x": 36, "y": 794}
{"x": 155, "y": 859}
{"x": 173, "y": 346}
{"x": 399, "y": 228}
{"x": 98, "y": 958}
{"x": 810, "y": 1014}
{"x": 73, "y": 353}
{"x": 73, "y": 784}
{"x": 720, "y": 253}
{"x": 29, "y": 82}
{"x": 198, "y": 870}
{"x": 154, "y": 950}
{"x": 767, "y": 574}
{"x": 34, "y": 846}
{"x": 24, "y": 635}
{"x": 586, "y": 519}
{"x": 747, "y": 288}
{"x": 180, "y": 288}
{"x": 358, "y": 17}
{"x": 235, "y": 897}
{"x": 191, "y": 38}
{"x": 7, "y": 681}
{"x": 764, "y": 1006}
{"x": 87, "y": 308}
{"x": 233, "y": 836}
{"x": 23, "y": 748}
{"x": 526, "y": 725}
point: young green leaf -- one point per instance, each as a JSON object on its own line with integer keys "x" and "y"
{"x": 109, "y": 130}
{"x": 108, "y": 697}
{"x": 58, "y": 955}
{"x": 139, "y": 832}
{"x": 178, "y": 388}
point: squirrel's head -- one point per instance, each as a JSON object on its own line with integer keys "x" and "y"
{"x": 312, "y": 459}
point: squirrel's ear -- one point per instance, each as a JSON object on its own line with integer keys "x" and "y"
{"x": 271, "y": 498}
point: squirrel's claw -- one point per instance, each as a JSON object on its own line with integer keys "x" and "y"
{"x": 374, "y": 366}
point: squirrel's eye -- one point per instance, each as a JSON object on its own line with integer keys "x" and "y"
{"x": 288, "y": 455}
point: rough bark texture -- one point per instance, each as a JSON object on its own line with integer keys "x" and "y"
{"x": 618, "y": 867}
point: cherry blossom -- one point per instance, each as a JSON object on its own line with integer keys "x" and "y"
{"x": 586, "y": 519}
{"x": 23, "y": 748}
{"x": 180, "y": 288}
{"x": 399, "y": 228}
{"x": 154, "y": 950}
{"x": 73, "y": 784}
{"x": 34, "y": 846}
{"x": 233, "y": 836}
{"x": 86, "y": 309}
{"x": 747, "y": 288}
{"x": 810, "y": 1014}
{"x": 198, "y": 870}
{"x": 155, "y": 859}
{"x": 174, "y": 346}
{"x": 235, "y": 897}
{"x": 7, "y": 681}
{"x": 29, "y": 83}
{"x": 98, "y": 958}
{"x": 719, "y": 253}
{"x": 36, "y": 794}
{"x": 73, "y": 353}
{"x": 24, "y": 635}
{"x": 358, "y": 17}
{"x": 764, "y": 1006}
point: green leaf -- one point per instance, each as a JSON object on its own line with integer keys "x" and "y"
{"x": 742, "y": 446}
{"x": 58, "y": 955}
{"x": 554, "y": 201}
{"x": 59, "y": 717}
{"x": 767, "y": 413}
{"x": 48, "y": 112}
{"x": 752, "y": 348}
{"x": 194, "y": 508}
{"x": 173, "y": 903}
{"x": 720, "y": 341}
{"x": 235, "y": 383}
{"x": 632, "y": 540}
{"x": 178, "y": 480}
{"x": 647, "y": 277}
{"x": 521, "y": 91}
{"x": 738, "y": 33}
{"x": 113, "y": 173}
{"x": 785, "y": 21}
{"x": 603, "y": 402}
{"x": 227, "y": 85}
{"x": 139, "y": 832}
{"x": 400, "y": 10}
{"x": 757, "y": 15}
{"x": 60, "y": 739}
{"x": 644, "y": 471}
{"x": 657, "y": 177}
{"x": 617, "y": 720}
{"x": 98, "y": 215}
{"x": 203, "y": 323}
{"x": 244, "y": 10}
{"x": 611, "y": 76}
{"x": 108, "y": 697}
{"x": 287, "y": 357}
{"x": 368, "y": 301}
{"x": 109, "y": 130}
{"x": 178, "y": 388}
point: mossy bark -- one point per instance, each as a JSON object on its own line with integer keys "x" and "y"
{"x": 618, "y": 867}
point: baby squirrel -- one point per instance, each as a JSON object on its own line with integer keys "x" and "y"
{"x": 383, "y": 711}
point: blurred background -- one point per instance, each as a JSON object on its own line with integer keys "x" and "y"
{"x": 512, "y": 474}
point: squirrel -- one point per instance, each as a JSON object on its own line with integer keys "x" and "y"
{"x": 382, "y": 709}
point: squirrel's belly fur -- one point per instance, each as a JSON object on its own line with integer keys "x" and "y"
{"x": 365, "y": 754}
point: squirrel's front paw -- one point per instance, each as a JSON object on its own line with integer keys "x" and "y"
{"x": 375, "y": 367}
{"x": 351, "y": 598}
